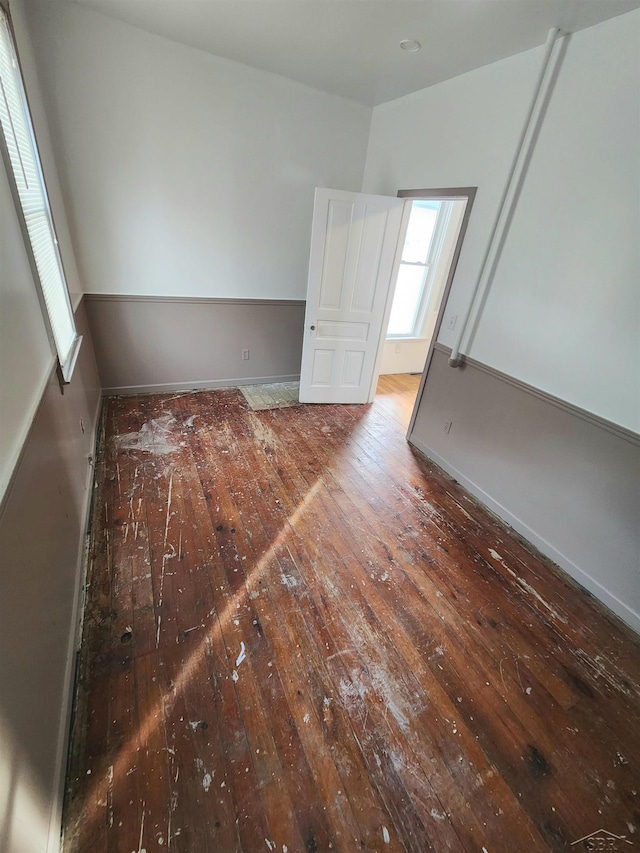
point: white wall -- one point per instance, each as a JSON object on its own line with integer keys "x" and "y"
{"x": 456, "y": 134}
{"x": 563, "y": 312}
{"x": 184, "y": 173}
{"x": 404, "y": 356}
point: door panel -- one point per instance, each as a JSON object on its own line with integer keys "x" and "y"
{"x": 356, "y": 244}
{"x": 322, "y": 370}
{"x": 352, "y": 369}
{"x": 326, "y": 330}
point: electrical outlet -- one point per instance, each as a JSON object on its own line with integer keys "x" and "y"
{"x": 245, "y": 355}
{"x": 447, "y": 427}
{"x": 452, "y": 321}
{"x": 398, "y": 347}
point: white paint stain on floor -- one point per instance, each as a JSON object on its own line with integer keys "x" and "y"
{"x": 527, "y": 587}
{"x": 154, "y": 436}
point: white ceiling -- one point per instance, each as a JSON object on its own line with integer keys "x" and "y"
{"x": 351, "y": 47}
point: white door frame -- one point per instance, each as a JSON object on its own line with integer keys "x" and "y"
{"x": 448, "y": 193}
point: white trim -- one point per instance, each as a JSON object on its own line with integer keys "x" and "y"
{"x": 217, "y": 300}
{"x": 622, "y": 610}
{"x": 69, "y": 683}
{"x": 436, "y": 247}
{"x": 443, "y": 217}
{"x": 196, "y": 385}
{"x": 67, "y": 368}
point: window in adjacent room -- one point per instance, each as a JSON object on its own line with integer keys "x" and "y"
{"x": 415, "y": 276}
{"x": 21, "y": 157}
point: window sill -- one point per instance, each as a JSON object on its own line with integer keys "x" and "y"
{"x": 66, "y": 371}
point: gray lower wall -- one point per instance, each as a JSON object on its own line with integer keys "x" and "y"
{"x": 43, "y": 520}
{"x": 567, "y": 482}
{"x": 155, "y": 344}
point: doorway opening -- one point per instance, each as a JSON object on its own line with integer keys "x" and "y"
{"x": 432, "y": 244}
{"x": 357, "y": 242}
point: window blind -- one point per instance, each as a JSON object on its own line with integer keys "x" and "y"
{"x": 25, "y": 162}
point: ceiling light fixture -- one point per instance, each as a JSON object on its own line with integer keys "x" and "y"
{"x": 410, "y": 45}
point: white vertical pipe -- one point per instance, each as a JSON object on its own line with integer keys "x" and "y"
{"x": 505, "y": 211}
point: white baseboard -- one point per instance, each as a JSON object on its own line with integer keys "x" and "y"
{"x": 200, "y": 385}
{"x": 68, "y": 690}
{"x": 622, "y": 610}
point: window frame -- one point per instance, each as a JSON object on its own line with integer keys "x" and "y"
{"x": 66, "y": 364}
{"x": 439, "y": 230}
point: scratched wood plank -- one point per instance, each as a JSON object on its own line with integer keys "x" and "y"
{"x": 296, "y": 772}
{"x": 300, "y": 634}
{"x": 407, "y": 819}
{"x": 343, "y": 556}
{"x": 253, "y": 770}
{"x": 309, "y": 707}
{"x": 412, "y": 664}
{"x": 201, "y": 813}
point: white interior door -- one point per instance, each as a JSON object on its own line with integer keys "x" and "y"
{"x": 356, "y": 244}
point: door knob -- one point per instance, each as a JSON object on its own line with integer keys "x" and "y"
{"x": 312, "y": 328}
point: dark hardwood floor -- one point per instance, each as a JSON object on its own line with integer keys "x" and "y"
{"x": 301, "y": 636}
